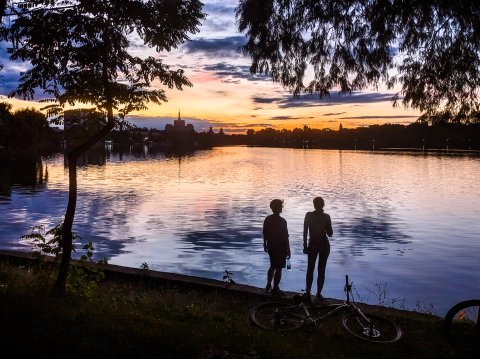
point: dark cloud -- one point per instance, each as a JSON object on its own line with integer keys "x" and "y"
{"x": 335, "y": 99}
{"x": 333, "y": 114}
{"x": 235, "y": 82}
{"x": 282, "y": 118}
{"x": 220, "y": 47}
{"x": 220, "y": 17}
{"x": 289, "y": 101}
{"x": 259, "y": 99}
{"x": 233, "y": 73}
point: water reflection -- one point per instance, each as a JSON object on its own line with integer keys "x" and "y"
{"x": 201, "y": 212}
{"x": 29, "y": 177}
{"x": 372, "y": 233}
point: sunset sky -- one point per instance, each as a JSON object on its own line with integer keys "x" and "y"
{"x": 225, "y": 94}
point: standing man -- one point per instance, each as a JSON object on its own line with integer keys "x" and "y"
{"x": 276, "y": 244}
{"x": 319, "y": 226}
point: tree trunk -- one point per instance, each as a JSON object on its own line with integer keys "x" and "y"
{"x": 67, "y": 237}
{"x": 67, "y": 245}
{"x": 67, "y": 240}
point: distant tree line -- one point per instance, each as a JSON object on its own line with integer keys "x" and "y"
{"x": 417, "y": 135}
{"x": 24, "y": 134}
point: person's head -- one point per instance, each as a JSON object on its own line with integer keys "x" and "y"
{"x": 276, "y": 205}
{"x": 318, "y": 203}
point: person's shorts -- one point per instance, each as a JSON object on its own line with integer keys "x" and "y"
{"x": 277, "y": 259}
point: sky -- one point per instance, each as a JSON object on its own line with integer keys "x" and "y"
{"x": 226, "y": 95}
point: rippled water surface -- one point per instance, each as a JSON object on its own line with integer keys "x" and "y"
{"x": 406, "y": 226}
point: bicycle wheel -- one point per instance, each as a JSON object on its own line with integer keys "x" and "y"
{"x": 376, "y": 329}
{"x": 461, "y": 325}
{"x": 277, "y": 316}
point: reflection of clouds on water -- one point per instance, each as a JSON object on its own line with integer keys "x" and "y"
{"x": 107, "y": 218}
{"x": 363, "y": 234}
{"x": 229, "y": 239}
{"x": 372, "y": 232}
{"x": 230, "y": 228}
{"x": 208, "y": 253}
{"x": 222, "y": 238}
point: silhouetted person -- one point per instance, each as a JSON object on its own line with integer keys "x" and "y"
{"x": 318, "y": 226}
{"x": 276, "y": 244}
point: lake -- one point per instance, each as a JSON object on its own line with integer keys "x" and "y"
{"x": 406, "y": 225}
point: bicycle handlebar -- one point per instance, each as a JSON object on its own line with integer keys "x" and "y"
{"x": 348, "y": 288}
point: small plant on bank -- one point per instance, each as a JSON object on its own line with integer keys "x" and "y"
{"x": 83, "y": 278}
{"x": 144, "y": 266}
{"x": 228, "y": 279}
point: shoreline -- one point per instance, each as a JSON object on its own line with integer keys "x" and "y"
{"x": 155, "y": 278}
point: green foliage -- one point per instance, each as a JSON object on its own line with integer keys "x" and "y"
{"x": 81, "y": 51}
{"x": 430, "y": 47}
{"x": 23, "y": 132}
{"x": 46, "y": 243}
{"x": 83, "y": 277}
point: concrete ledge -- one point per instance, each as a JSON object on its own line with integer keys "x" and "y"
{"x": 151, "y": 277}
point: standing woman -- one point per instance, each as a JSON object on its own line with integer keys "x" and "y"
{"x": 317, "y": 227}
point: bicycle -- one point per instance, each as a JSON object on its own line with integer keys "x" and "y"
{"x": 282, "y": 316}
{"x": 461, "y": 325}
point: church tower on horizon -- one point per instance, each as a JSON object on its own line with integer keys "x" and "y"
{"x": 179, "y": 126}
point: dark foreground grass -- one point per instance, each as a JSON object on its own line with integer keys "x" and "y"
{"x": 136, "y": 320}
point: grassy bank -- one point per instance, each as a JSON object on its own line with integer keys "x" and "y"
{"x": 137, "y": 319}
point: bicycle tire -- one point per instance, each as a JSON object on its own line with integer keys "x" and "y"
{"x": 382, "y": 330}
{"x": 461, "y": 325}
{"x": 277, "y": 316}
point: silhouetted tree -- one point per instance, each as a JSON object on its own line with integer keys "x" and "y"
{"x": 23, "y": 134}
{"x": 434, "y": 47}
{"x": 80, "y": 53}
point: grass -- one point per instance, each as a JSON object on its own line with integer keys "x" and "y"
{"x": 126, "y": 319}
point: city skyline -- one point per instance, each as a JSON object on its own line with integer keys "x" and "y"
{"x": 226, "y": 95}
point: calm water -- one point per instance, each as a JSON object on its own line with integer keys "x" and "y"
{"x": 405, "y": 225}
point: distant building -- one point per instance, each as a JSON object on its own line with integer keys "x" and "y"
{"x": 181, "y": 135}
{"x": 179, "y": 126}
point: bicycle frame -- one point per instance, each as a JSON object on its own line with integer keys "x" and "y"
{"x": 280, "y": 316}
{"x": 348, "y": 305}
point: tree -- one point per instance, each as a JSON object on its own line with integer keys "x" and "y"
{"x": 431, "y": 48}
{"x": 3, "y": 5}
{"x": 81, "y": 53}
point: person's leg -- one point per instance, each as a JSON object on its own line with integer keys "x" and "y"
{"x": 277, "y": 277}
{"x": 270, "y": 274}
{"x": 322, "y": 264}
{"x": 312, "y": 258}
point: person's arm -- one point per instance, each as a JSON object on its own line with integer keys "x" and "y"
{"x": 265, "y": 244}
{"x": 305, "y": 233}
{"x": 329, "y": 229}
{"x": 288, "y": 241}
